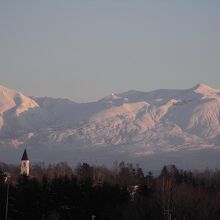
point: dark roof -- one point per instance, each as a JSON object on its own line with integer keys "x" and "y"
{"x": 25, "y": 156}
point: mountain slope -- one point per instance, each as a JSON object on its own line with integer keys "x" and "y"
{"x": 138, "y": 123}
{"x": 13, "y": 105}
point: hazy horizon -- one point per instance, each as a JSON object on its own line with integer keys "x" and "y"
{"x": 85, "y": 50}
{"x": 105, "y": 95}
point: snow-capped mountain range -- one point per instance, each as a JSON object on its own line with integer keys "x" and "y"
{"x": 140, "y": 123}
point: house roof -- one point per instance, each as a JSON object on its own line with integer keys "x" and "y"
{"x": 25, "y": 156}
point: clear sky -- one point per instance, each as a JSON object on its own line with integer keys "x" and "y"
{"x": 87, "y": 49}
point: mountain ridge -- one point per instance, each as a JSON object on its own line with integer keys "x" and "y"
{"x": 146, "y": 122}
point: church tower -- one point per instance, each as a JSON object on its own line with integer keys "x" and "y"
{"x": 25, "y": 164}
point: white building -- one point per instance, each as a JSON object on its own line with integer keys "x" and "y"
{"x": 25, "y": 164}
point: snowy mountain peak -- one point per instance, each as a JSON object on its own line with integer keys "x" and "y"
{"x": 6, "y": 91}
{"x": 204, "y": 89}
{"x": 11, "y": 99}
{"x": 111, "y": 97}
{"x": 114, "y": 96}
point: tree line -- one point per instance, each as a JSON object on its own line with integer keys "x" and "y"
{"x": 58, "y": 192}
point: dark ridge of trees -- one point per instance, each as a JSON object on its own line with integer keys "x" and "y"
{"x": 122, "y": 193}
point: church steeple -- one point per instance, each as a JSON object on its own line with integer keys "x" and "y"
{"x": 24, "y": 157}
{"x": 25, "y": 164}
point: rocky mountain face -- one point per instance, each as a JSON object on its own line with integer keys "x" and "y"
{"x": 140, "y": 123}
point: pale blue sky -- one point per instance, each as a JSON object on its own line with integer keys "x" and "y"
{"x": 84, "y": 50}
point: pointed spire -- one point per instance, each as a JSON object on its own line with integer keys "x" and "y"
{"x": 25, "y": 156}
